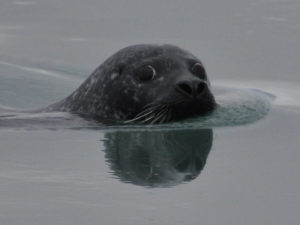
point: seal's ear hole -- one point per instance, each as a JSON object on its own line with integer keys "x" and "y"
{"x": 198, "y": 70}
{"x": 145, "y": 73}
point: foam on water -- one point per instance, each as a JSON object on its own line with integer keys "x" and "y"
{"x": 283, "y": 93}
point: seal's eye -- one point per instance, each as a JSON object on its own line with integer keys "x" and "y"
{"x": 146, "y": 73}
{"x": 199, "y": 71}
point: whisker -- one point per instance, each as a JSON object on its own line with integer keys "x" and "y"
{"x": 164, "y": 118}
{"x": 149, "y": 105}
{"x": 149, "y": 118}
{"x": 160, "y": 115}
{"x": 140, "y": 115}
{"x": 143, "y": 114}
{"x": 169, "y": 116}
{"x": 155, "y": 113}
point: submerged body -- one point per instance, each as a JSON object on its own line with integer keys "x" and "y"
{"x": 143, "y": 83}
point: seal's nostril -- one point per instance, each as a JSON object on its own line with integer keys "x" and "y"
{"x": 191, "y": 89}
{"x": 186, "y": 88}
{"x": 200, "y": 87}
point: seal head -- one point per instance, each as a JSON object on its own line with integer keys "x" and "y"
{"x": 143, "y": 84}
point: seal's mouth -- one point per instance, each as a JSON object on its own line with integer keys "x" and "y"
{"x": 192, "y": 109}
{"x": 164, "y": 112}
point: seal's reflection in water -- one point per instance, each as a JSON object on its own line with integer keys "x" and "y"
{"x": 157, "y": 158}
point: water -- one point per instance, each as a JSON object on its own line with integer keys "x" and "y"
{"x": 238, "y": 166}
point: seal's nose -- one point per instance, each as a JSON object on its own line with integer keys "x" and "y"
{"x": 192, "y": 89}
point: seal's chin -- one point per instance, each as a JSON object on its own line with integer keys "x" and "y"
{"x": 192, "y": 109}
{"x": 172, "y": 111}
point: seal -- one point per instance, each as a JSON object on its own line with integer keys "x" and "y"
{"x": 144, "y": 83}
